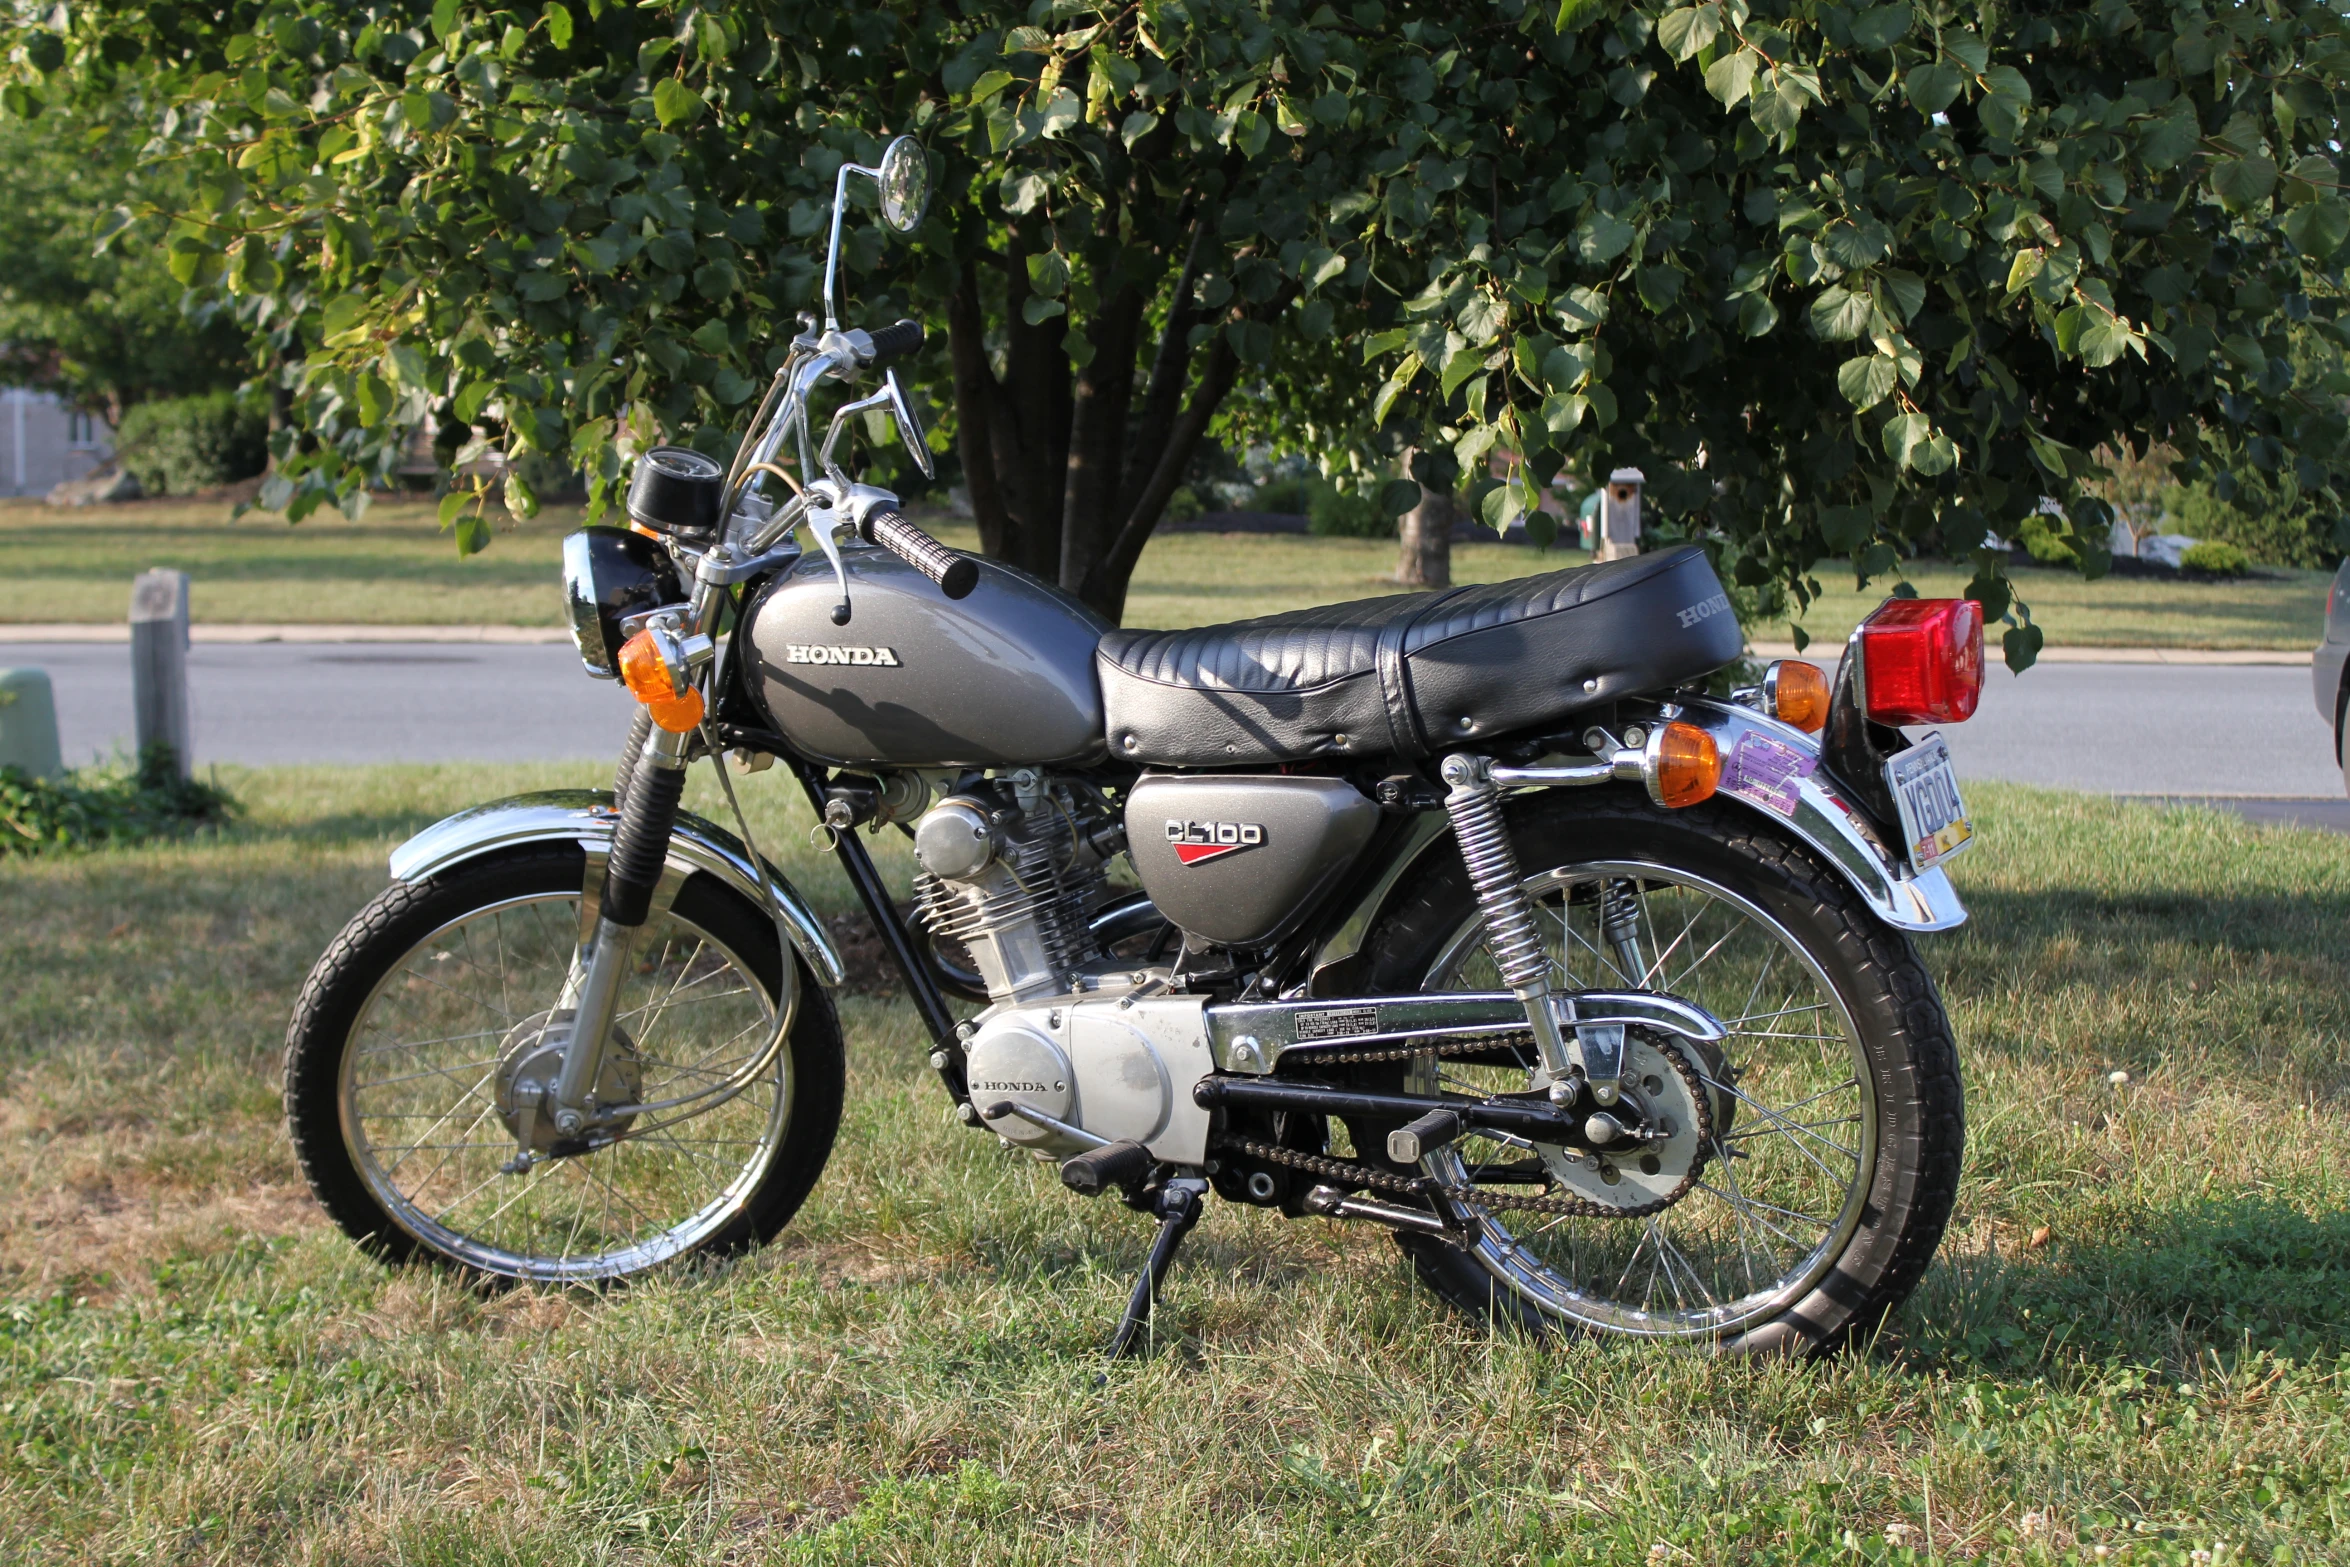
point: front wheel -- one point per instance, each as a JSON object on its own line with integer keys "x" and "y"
{"x": 1815, "y": 1151}
{"x": 414, "y": 1042}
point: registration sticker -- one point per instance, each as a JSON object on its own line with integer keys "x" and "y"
{"x": 1934, "y": 824}
{"x": 1337, "y": 1023}
{"x": 1768, "y": 772}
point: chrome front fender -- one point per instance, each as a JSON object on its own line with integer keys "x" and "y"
{"x": 586, "y": 817}
{"x": 1808, "y": 803}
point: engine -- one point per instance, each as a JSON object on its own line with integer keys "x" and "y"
{"x": 1010, "y": 870}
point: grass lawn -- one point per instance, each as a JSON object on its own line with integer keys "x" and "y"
{"x": 2137, "y": 1336}
{"x": 394, "y": 568}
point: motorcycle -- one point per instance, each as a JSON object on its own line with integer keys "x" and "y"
{"x": 1470, "y": 916}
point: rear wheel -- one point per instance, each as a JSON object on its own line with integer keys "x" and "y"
{"x": 1804, "y": 1167}
{"x": 414, "y": 1041}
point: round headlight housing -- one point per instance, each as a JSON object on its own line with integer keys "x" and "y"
{"x": 610, "y": 574}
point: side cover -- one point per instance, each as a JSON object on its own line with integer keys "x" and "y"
{"x": 1237, "y": 859}
{"x": 586, "y": 817}
{"x": 1003, "y": 678}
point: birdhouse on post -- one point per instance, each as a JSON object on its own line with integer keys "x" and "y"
{"x": 1619, "y": 514}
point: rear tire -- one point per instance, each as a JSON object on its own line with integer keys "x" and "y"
{"x": 1894, "y": 1034}
{"x": 402, "y": 946}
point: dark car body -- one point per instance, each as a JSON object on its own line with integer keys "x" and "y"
{"x": 2327, "y": 663}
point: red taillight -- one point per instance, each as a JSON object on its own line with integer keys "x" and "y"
{"x": 1922, "y": 661}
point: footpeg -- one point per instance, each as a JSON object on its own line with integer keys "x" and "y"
{"x": 1411, "y": 1143}
{"x": 1097, "y": 1170}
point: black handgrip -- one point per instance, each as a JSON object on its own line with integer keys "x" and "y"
{"x": 892, "y": 341}
{"x": 956, "y": 575}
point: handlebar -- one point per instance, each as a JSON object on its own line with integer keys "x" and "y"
{"x": 956, "y": 575}
{"x": 893, "y": 342}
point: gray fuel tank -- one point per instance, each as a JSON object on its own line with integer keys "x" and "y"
{"x": 1240, "y": 858}
{"x": 1003, "y": 678}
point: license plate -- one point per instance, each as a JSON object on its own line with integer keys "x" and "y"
{"x": 1934, "y": 824}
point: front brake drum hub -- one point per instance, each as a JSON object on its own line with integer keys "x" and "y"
{"x": 530, "y": 1062}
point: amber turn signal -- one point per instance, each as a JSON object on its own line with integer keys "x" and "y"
{"x": 647, "y": 678}
{"x": 1796, "y": 693}
{"x": 1684, "y": 765}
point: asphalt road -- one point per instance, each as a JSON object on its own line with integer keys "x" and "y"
{"x": 2142, "y": 729}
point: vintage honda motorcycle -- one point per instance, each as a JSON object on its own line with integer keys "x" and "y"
{"x": 1469, "y": 916}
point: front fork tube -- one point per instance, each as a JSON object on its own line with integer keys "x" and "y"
{"x": 1596, "y": 1053}
{"x": 655, "y": 779}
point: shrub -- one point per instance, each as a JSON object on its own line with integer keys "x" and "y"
{"x": 176, "y": 445}
{"x": 1338, "y": 514}
{"x": 2213, "y": 559}
{"x": 1183, "y": 505}
{"x": 2039, "y": 536}
{"x": 2265, "y": 527}
{"x": 1291, "y": 496}
{"x": 85, "y": 809}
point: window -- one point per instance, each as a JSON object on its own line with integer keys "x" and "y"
{"x": 81, "y": 430}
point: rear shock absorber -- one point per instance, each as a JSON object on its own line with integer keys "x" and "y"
{"x": 1473, "y": 801}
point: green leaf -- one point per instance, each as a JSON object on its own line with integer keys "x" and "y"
{"x": 2024, "y": 268}
{"x": 1933, "y": 87}
{"x": 2104, "y": 337}
{"x": 44, "y": 51}
{"x": 1906, "y": 289}
{"x": 521, "y": 499}
{"x": 1845, "y": 529}
{"x": 373, "y": 397}
{"x": 1757, "y": 315}
{"x": 1839, "y": 315}
{"x": 1021, "y": 192}
{"x": 452, "y": 504}
{"x": 1602, "y": 237}
{"x": 1659, "y": 286}
{"x": 714, "y": 280}
{"x": 558, "y": 20}
{"x": 1563, "y": 411}
{"x": 2245, "y": 182}
{"x": 1731, "y": 77}
{"x": 1936, "y": 456}
{"x": 2021, "y": 646}
{"x": 1036, "y": 309}
{"x": 467, "y": 405}
{"x": 1689, "y": 29}
{"x": 1904, "y": 434}
{"x": 675, "y": 103}
{"x": 473, "y": 530}
{"x": 730, "y": 386}
{"x": 1867, "y": 380}
{"x": 1457, "y": 370}
{"x": 539, "y": 286}
{"x": 1398, "y": 496}
{"x": 2319, "y": 227}
{"x": 1137, "y": 126}
{"x": 1882, "y": 27}
{"x": 1048, "y": 273}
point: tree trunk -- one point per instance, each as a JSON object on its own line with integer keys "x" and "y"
{"x": 1425, "y": 561}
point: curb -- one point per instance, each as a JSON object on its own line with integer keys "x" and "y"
{"x": 203, "y": 632}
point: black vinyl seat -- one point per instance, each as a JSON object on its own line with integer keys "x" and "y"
{"x": 1417, "y": 673}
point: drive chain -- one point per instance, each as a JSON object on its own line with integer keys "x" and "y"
{"x": 1357, "y": 1173}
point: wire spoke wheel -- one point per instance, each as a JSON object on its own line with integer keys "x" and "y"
{"x": 1778, "y": 1179}
{"x": 417, "y": 1057}
{"x": 1780, "y": 1188}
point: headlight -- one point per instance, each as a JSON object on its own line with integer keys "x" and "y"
{"x": 610, "y": 574}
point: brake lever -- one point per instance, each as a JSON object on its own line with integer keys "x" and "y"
{"x": 823, "y": 519}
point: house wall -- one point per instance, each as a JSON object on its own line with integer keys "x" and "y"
{"x": 43, "y": 443}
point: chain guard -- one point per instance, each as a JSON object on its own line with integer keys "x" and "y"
{"x": 1357, "y": 1173}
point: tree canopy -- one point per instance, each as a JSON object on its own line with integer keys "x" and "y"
{"x": 1847, "y": 281}
{"x": 108, "y": 330}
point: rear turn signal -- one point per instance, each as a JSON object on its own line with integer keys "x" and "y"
{"x": 647, "y": 679}
{"x": 1796, "y": 693}
{"x": 1921, "y": 661}
{"x": 1682, "y": 765}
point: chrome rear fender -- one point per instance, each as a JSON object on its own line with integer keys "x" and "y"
{"x": 586, "y": 817}
{"x": 1810, "y": 805}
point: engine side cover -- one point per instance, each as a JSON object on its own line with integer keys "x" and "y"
{"x": 1003, "y": 678}
{"x": 1128, "y": 1073}
{"x": 1239, "y": 859}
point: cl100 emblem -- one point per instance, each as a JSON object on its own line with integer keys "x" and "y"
{"x": 1197, "y": 842}
{"x": 818, "y": 653}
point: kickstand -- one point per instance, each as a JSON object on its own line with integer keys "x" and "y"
{"x": 1178, "y": 1206}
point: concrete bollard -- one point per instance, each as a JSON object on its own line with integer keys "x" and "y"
{"x": 1619, "y": 514}
{"x": 28, "y": 723}
{"x": 159, "y": 662}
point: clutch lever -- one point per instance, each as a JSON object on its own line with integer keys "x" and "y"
{"x": 824, "y": 520}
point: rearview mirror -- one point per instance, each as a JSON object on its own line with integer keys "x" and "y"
{"x": 901, "y": 408}
{"x": 904, "y": 176}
